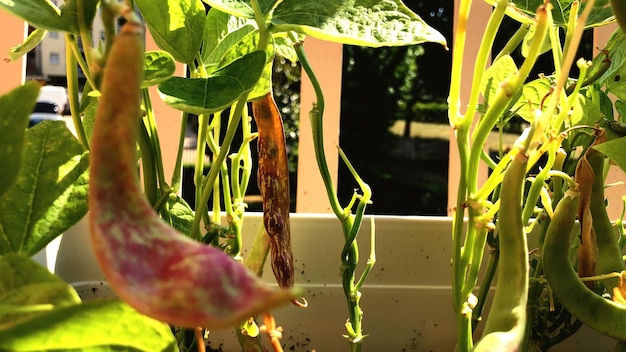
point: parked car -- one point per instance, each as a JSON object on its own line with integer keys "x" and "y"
{"x": 56, "y": 94}
{"x": 44, "y": 110}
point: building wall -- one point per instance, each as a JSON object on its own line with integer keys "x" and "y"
{"x": 51, "y": 50}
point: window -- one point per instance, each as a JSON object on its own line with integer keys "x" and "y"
{"x": 55, "y": 58}
{"x": 53, "y": 35}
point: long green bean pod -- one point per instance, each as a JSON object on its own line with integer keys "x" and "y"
{"x": 505, "y": 326}
{"x": 610, "y": 255}
{"x": 599, "y": 313}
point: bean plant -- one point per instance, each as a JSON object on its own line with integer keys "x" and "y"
{"x": 181, "y": 268}
{"x": 523, "y": 213}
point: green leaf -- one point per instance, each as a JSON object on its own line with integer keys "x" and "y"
{"x": 620, "y": 106}
{"x": 611, "y": 59}
{"x": 614, "y": 150}
{"x": 158, "y": 67}
{"x": 585, "y": 111}
{"x": 212, "y": 59}
{"x": 181, "y": 214}
{"x": 237, "y": 7}
{"x": 216, "y": 92}
{"x": 528, "y": 41}
{"x": 533, "y": 94}
{"x": 40, "y": 14}
{"x": 217, "y": 26}
{"x": 246, "y": 45}
{"x": 15, "y": 107}
{"x": 283, "y": 46}
{"x": 33, "y": 39}
{"x": 524, "y": 11}
{"x": 499, "y": 72}
{"x": 176, "y": 26}
{"x": 28, "y": 289}
{"x": 50, "y": 193}
{"x": 73, "y": 13}
{"x": 372, "y": 23}
{"x": 94, "y": 325}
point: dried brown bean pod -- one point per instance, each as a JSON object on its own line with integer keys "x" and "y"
{"x": 273, "y": 181}
{"x": 588, "y": 251}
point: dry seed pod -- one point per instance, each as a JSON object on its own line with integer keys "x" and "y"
{"x": 273, "y": 179}
{"x": 157, "y": 270}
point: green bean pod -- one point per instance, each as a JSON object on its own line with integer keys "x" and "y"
{"x": 610, "y": 256}
{"x": 601, "y": 314}
{"x": 619, "y": 10}
{"x": 505, "y": 326}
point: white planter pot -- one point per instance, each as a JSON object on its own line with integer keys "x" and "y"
{"x": 407, "y": 301}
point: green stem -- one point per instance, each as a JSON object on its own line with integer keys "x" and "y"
{"x": 481, "y": 58}
{"x": 72, "y": 88}
{"x": 514, "y": 41}
{"x": 485, "y": 286}
{"x": 71, "y": 44}
{"x": 350, "y": 223}
{"x": 317, "y": 126}
{"x": 178, "y": 167}
{"x": 153, "y": 132}
{"x": 150, "y": 183}
{"x": 200, "y": 155}
{"x": 201, "y": 205}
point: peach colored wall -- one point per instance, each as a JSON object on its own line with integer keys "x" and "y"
{"x": 616, "y": 175}
{"x": 12, "y": 33}
{"x": 168, "y": 120}
{"x": 479, "y": 15}
{"x": 326, "y": 60}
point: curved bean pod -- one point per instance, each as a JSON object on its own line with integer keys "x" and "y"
{"x": 273, "y": 180}
{"x": 610, "y": 255}
{"x": 155, "y": 269}
{"x": 587, "y": 253}
{"x": 504, "y": 329}
{"x": 619, "y": 10}
{"x": 598, "y": 313}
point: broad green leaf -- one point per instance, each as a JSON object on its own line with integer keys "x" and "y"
{"x": 283, "y": 46}
{"x": 585, "y": 111}
{"x": 611, "y": 59}
{"x": 15, "y": 107}
{"x": 40, "y": 14}
{"x": 241, "y": 8}
{"x": 613, "y": 55}
{"x": 50, "y": 193}
{"x": 73, "y": 12}
{"x": 181, "y": 214}
{"x": 372, "y": 23}
{"x": 499, "y": 72}
{"x": 95, "y": 325}
{"x": 246, "y": 45}
{"x": 216, "y": 92}
{"x": 533, "y": 94}
{"x": 217, "y": 26}
{"x": 213, "y": 59}
{"x": 528, "y": 41}
{"x": 28, "y": 289}
{"x": 33, "y": 39}
{"x": 176, "y": 26}
{"x": 614, "y": 150}
{"x": 158, "y": 66}
{"x": 524, "y": 11}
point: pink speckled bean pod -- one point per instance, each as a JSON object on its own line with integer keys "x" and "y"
{"x": 157, "y": 270}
